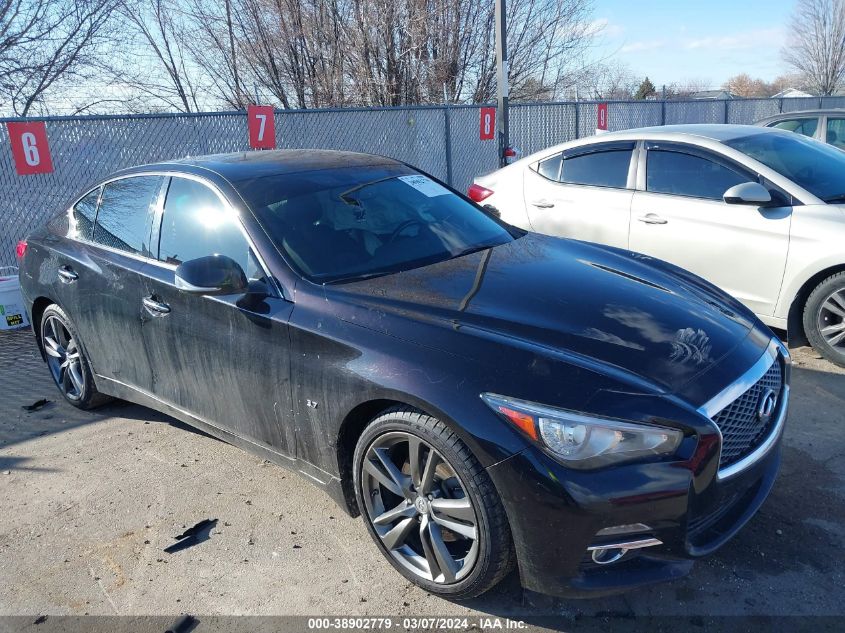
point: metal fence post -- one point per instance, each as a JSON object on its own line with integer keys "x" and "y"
{"x": 726, "y": 111}
{"x": 577, "y": 122}
{"x": 448, "y": 139}
{"x": 663, "y": 109}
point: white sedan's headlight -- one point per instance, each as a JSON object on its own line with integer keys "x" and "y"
{"x": 582, "y": 441}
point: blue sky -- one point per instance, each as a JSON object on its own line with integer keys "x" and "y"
{"x": 689, "y": 39}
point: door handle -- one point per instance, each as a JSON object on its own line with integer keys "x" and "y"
{"x": 67, "y": 275}
{"x": 542, "y": 204}
{"x": 652, "y": 218}
{"x": 156, "y": 308}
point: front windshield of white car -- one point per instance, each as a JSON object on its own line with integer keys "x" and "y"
{"x": 815, "y": 166}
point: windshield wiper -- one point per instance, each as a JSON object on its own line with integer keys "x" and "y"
{"x": 360, "y": 276}
{"x": 471, "y": 250}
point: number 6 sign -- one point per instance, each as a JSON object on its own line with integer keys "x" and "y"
{"x": 262, "y": 127}
{"x": 30, "y": 148}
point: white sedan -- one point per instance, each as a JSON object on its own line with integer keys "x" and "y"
{"x": 759, "y": 212}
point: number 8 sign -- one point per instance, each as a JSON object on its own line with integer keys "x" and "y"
{"x": 30, "y": 148}
{"x": 262, "y": 127}
{"x": 488, "y": 124}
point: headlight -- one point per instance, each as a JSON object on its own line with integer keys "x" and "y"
{"x": 581, "y": 441}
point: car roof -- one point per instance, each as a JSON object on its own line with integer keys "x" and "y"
{"x": 239, "y": 166}
{"x": 797, "y": 114}
{"x": 713, "y": 131}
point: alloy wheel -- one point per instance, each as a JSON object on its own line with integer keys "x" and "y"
{"x": 418, "y": 507}
{"x": 831, "y": 319}
{"x": 63, "y": 357}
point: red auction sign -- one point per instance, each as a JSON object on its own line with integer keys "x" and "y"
{"x": 30, "y": 148}
{"x": 262, "y": 127}
{"x": 601, "y": 118}
{"x": 488, "y": 124}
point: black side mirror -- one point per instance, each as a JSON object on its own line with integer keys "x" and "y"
{"x": 212, "y": 275}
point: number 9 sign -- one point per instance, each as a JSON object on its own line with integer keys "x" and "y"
{"x": 30, "y": 148}
{"x": 262, "y": 127}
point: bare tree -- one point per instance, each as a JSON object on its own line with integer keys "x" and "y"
{"x": 155, "y": 31}
{"x": 817, "y": 49}
{"x": 48, "y": 45}
{"x": 612, "y": 80}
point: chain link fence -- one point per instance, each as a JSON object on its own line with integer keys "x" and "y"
{"x": 441, "y": 140}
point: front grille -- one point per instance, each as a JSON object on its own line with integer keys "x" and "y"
{"x": 742, "y": 430}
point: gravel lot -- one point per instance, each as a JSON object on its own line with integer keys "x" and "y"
{"x": 90, "y": 500}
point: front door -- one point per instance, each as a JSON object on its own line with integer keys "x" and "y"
{"x": 224, "y": 359}
{"x": 584, "y": 193}
{"x": 682, "y": 218}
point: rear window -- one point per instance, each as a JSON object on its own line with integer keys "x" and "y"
{"x": 599, "y": 169}
{"x": 124, "y": 219}
{"x": 84, "y": 214}
{"x": 807, "y": 127}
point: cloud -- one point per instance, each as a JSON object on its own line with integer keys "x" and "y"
{"x": 738, "y": 41}
{"x": 639, "y": 47}
{"x": 605, "y": 28}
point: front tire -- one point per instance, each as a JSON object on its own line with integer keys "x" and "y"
{"x": 824, "y": 318}
{"x": 430, "y": 506}
{"x": 66, "y": 360}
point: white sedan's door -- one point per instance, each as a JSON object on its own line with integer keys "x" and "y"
{"x": 681, "y": 218}
{"x": 583, "y": 194}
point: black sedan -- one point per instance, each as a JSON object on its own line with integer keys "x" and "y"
{"x": 484, "y": 397}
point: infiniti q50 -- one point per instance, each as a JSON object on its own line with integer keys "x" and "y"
{"x": 484, "y": 397}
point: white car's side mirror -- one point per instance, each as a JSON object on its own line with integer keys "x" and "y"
{"x": 748, "y": 193}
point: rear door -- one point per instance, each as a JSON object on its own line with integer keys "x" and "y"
{"x": 99, "y": 282}
{"x": 682, "y": 218}
{"x": 583, "y": 193}
{"x": 224, "y": 359}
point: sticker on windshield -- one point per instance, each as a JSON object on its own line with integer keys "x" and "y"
{"x": 425, "y": 185}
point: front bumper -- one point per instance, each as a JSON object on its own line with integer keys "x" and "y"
{"x": 555, "y": 514}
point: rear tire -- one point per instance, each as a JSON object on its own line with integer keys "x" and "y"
{"x": 66, "y": 360}
{"x": 824, "y": 318}
{"x": 440, "y": 521}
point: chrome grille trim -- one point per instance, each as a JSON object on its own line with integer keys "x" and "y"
{"x": 745, "y": 382}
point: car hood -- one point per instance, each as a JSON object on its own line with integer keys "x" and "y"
{"x": 599, "y": 307}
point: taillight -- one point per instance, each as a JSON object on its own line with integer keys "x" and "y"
{"x": 20, "y": 249}
{"x": 477, "y": 193}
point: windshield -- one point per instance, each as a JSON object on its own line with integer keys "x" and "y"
{"x": 353, "y": 223}
{"x": 815, "y": 166}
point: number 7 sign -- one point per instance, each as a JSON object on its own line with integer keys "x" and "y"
{"x": 30, "y": 148}
{"x": 262, "y": 127}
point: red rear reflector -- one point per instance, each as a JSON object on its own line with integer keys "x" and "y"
{"x": 477, "y": 193}
{"x": 522, "y": 421}
{"x": 20, "y": 249}
{"x": 510, "y": 152}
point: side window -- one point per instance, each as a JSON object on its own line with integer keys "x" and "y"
{"x": 687, "y": 175}
{"x": 600, "y": 169}
{"x": 124, "y": 220}
{"x": 835, "y": 132}
{"x": 196, "y": 223}
{"x": 84, "y": 214}
{"x": 807, "y": 127}
{"x": 550, "y": 167}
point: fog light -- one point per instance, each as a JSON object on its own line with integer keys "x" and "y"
{"x": 606, "y": 556}
{"x": 608, "y": 553}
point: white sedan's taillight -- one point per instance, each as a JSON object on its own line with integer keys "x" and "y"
{"x": 477, "y": 193}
